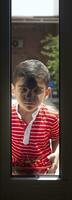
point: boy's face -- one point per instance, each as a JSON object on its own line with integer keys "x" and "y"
{"x": 30, "y": 95}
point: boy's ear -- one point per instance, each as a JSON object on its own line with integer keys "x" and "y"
{"x": 48, "y": 92}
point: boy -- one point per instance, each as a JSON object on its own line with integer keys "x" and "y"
{"x": 34, "y": 125}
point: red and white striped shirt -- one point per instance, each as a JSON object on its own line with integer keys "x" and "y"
{"x": 33, "y": 156}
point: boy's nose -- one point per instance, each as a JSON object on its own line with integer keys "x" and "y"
{"x": 30, "y": 96}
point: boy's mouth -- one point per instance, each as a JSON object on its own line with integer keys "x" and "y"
{"x": 29, "y": 103}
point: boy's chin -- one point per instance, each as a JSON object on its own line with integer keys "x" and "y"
{"x": 30, "y": 108}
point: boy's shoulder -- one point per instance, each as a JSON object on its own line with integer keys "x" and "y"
{"x": 50, "y": 110}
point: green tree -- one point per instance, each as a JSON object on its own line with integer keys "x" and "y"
{"x": 50, "y": 49}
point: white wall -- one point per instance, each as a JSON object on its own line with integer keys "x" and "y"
{"x": 35, "y": 7}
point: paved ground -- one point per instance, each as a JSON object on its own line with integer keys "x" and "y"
{"x": 53, "y": 102}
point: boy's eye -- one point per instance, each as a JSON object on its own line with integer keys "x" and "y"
{"x": 38, "y": 90}
{"x": 24, "y": 89}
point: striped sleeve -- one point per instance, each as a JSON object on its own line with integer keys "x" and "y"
{"x": 55, "y": 128}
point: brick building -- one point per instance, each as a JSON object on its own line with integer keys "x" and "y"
{"x": 27, "y": 34}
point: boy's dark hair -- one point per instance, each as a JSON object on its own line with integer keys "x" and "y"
{"x": 31, "y": 69}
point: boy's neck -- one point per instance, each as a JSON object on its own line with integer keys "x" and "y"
{"x": 26, "y": 116}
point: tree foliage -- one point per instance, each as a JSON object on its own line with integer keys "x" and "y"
{"x": 50, "y": 49}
